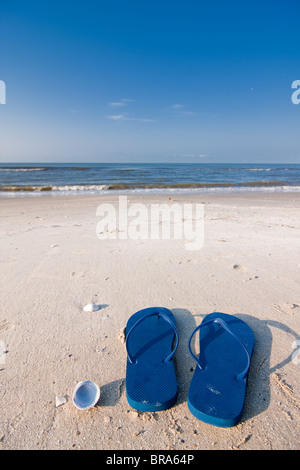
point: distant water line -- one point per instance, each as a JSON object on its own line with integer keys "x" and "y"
{"x": 91, "y": 178}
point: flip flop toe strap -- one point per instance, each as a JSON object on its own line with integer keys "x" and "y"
{"x": 160, "y": 315}
{"x": 225, "y": 326}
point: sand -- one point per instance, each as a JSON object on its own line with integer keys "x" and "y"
{"x": 53, "y": 264}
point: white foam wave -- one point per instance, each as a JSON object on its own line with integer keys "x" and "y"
{"x": 100, "y": 189}
{"x": 22, "y": 169}
{"x": 258, "y": 169}
{"x": 76, "y": 187}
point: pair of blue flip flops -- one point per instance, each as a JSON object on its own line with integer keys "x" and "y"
{"x": 217, "y": 390}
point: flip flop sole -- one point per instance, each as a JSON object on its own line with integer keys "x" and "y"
{"x": 151, "y": 383}
{"x": 216, "y": 394}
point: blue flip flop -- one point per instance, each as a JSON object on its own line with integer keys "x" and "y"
{"x": 151, "y": 383}
{"x": 217, "y": 390}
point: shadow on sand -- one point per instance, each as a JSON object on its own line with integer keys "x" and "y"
{"x": 258, "y": 389}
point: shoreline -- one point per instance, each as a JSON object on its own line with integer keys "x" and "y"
{"x": 98, "y": 190}
{"x": 53, "y": 264}
{"x": 31, "y": 179}
{"x": 113, "y": 196}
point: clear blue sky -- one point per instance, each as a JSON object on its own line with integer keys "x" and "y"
{"x": 149, "y": 80}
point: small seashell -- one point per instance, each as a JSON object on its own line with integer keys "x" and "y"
{"x": 60, "y": 400}
{"x": 91, "y": 308}
{"x": 86, "y": 395}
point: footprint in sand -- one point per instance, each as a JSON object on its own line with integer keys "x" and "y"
{"x": 242, "y": 270}
{"x": 188, "y": 261}
{"x": 74, "y": 275}
{"x": 288, "y": 308}
{"x": 250, "y": 278}
{"x": 4, "y": 325}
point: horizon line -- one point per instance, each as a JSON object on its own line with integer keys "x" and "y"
{"x": 147, "y": 163}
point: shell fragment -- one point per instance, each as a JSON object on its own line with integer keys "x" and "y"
{"x": 91, "y": 308}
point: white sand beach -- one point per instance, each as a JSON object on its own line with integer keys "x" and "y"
{"x": 53, "y": 264}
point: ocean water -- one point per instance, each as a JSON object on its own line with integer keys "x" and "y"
{"x": 97, "y": 178}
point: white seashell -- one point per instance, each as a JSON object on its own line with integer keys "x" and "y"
{"x": 60, "y": 400}
{"x": 86, "y": 395}
{"x": 91, "y": 308}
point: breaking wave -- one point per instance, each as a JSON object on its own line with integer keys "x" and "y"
{"x": 193, "y": 187}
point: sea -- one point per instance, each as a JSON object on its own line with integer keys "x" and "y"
{"x": 55, "y": 179}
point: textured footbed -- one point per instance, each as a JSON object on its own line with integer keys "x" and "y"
{"x": 215, "y": 395}
{"x": 151, "y": 384}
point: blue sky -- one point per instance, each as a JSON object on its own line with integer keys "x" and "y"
{"x": 149, "y": 80}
